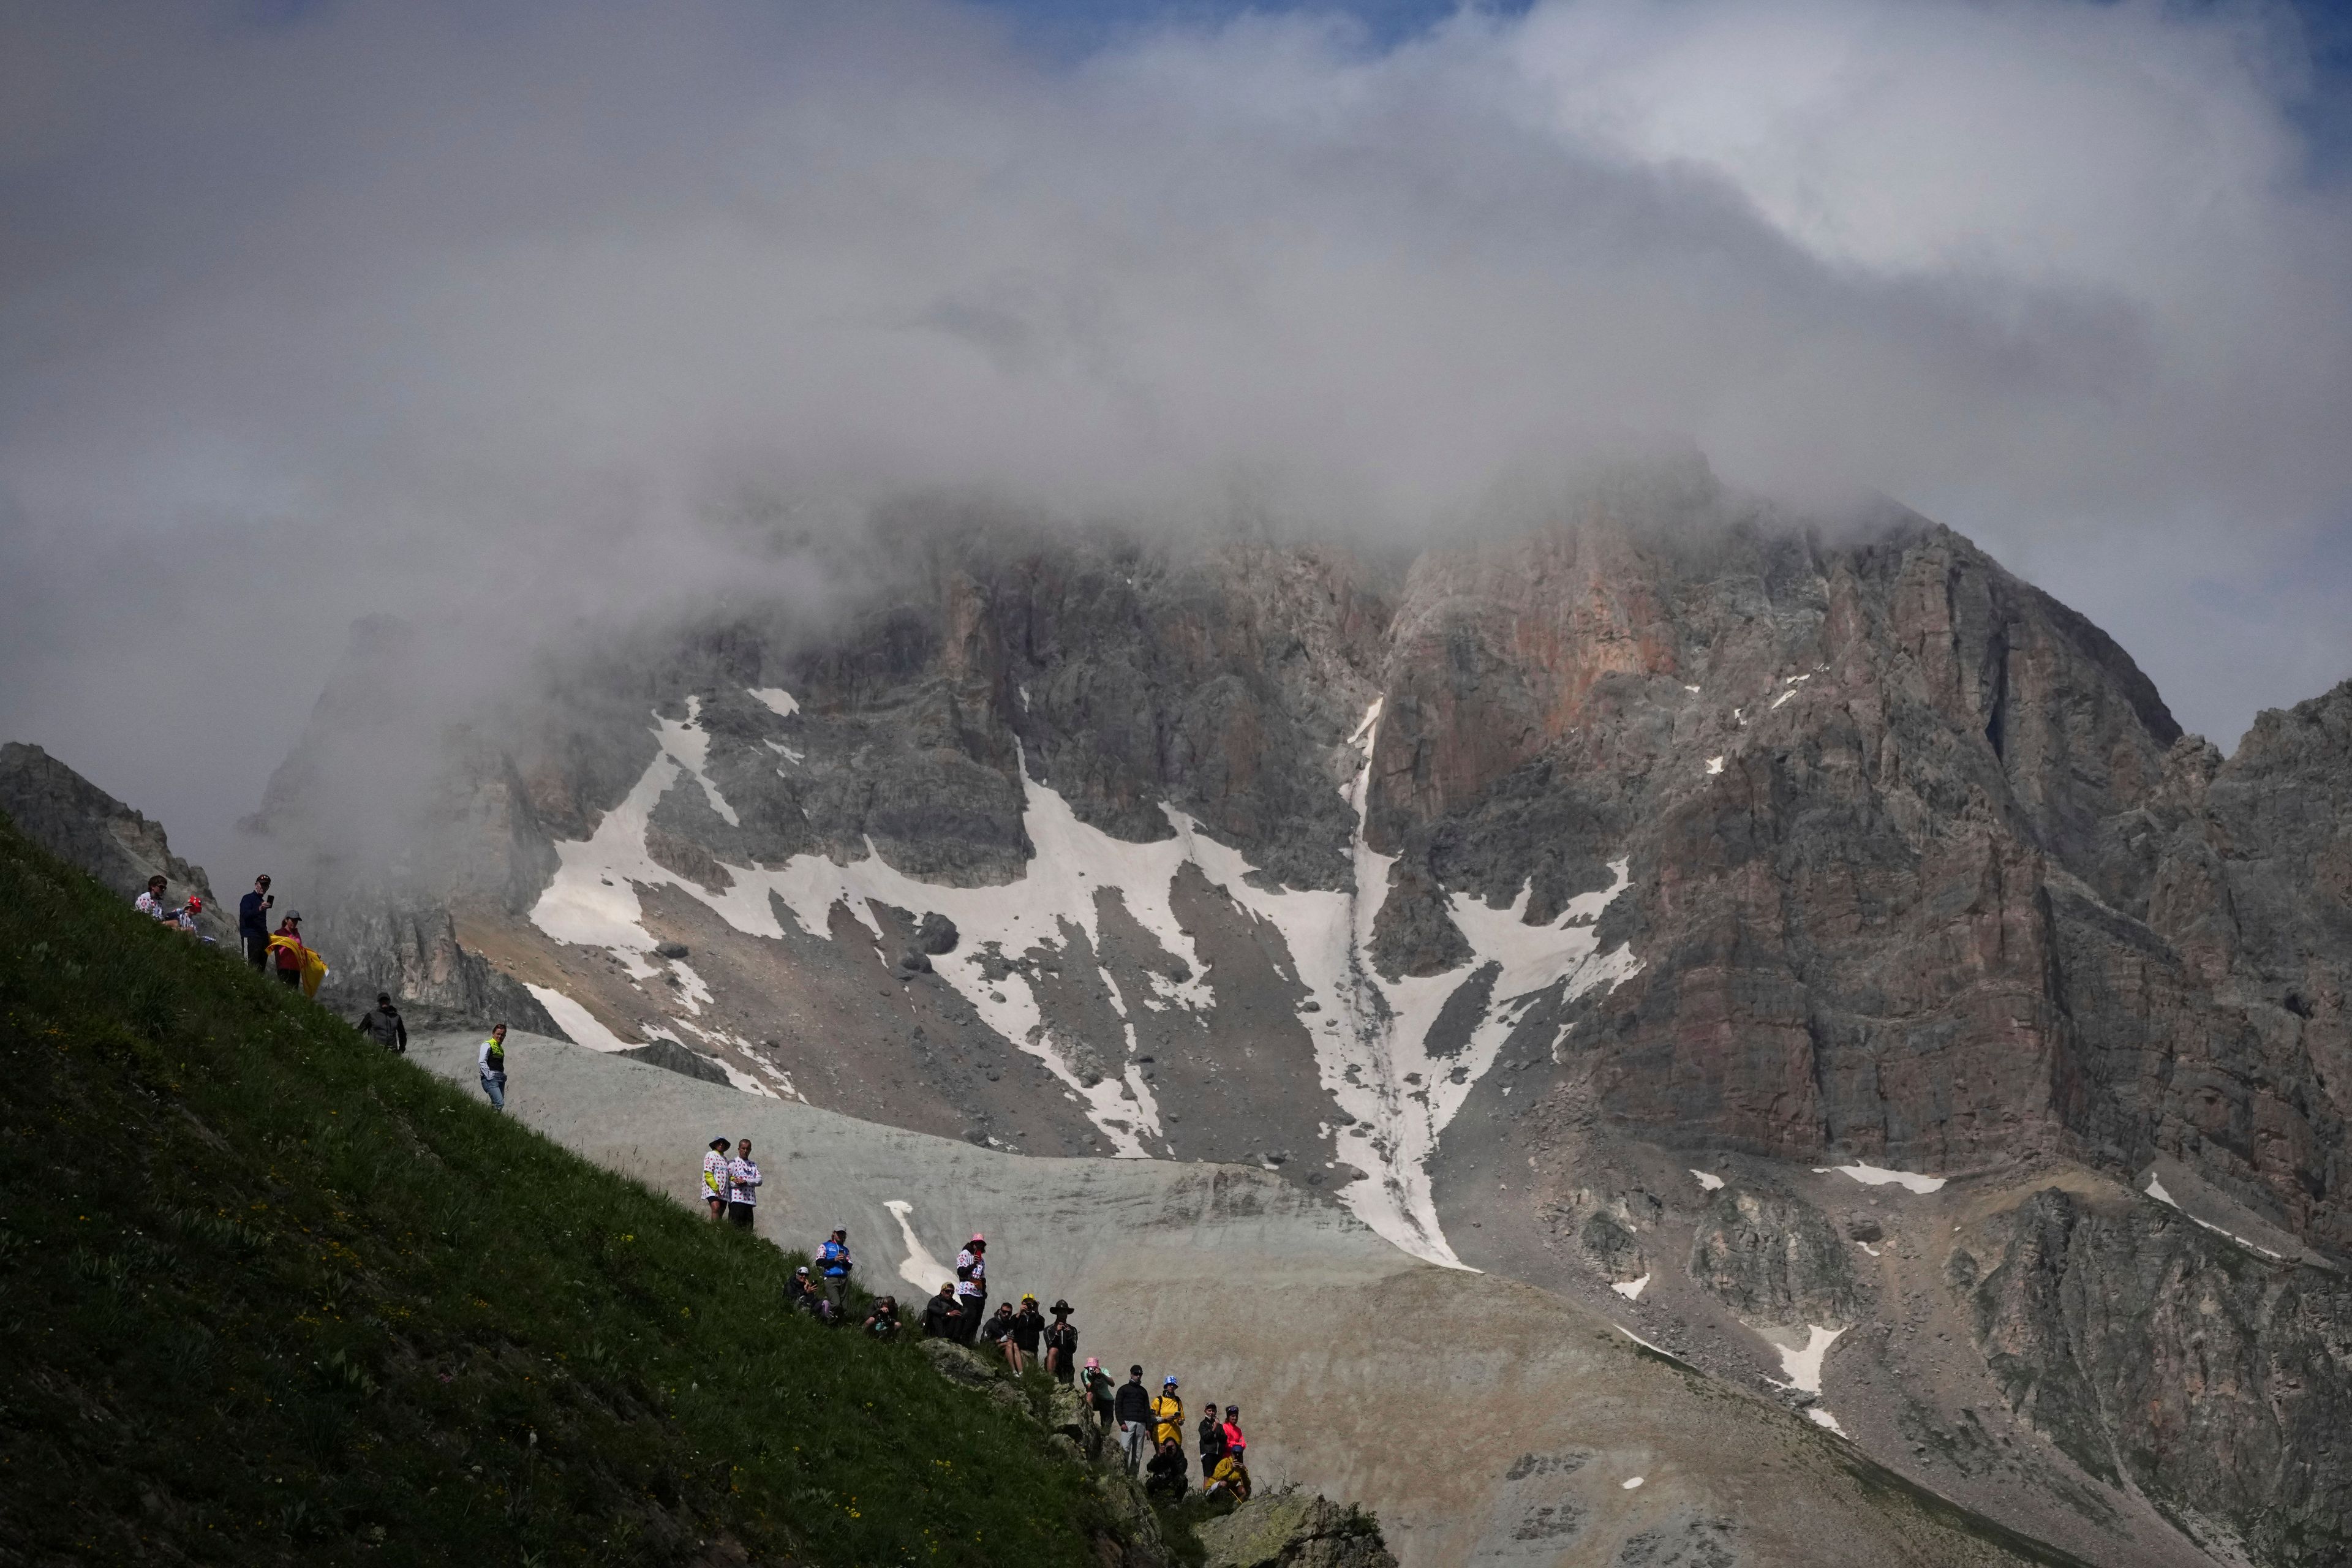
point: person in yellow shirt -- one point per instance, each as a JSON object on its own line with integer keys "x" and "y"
{"x": 1168, "y": 1414}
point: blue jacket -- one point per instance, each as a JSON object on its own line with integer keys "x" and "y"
{"x": 834, "y": 1259}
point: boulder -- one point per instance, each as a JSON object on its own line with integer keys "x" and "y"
{"x": 1290, "y": 1528}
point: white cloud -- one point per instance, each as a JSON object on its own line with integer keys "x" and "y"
{"x": 372, "y": 308}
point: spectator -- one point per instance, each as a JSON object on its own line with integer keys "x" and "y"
{"x": 743, "y": 1186}
{"x": 1236, "y": 1444}
{"x": 1168, "y": 1413}
{"x": 971, "y": 1284}
{"x": 1167, "y": 1472}
{"x": 151, "y": 902}
{"x": 882, "y": 1322}
{"x": 833, "y": 1261}
{"x": 998, "y": 1332}
{"x": 799, "y": 1292}
{"x": 1099, "y": 1390}
{"x": 253, "y": 922}
{"x": 943, "y": 1314}
{"x": 384, "y": 1025}
{"x": 1212, "y": 1442}
{"x": 1131, "y": 1409}
{"x": 1028, "y": 1327}
{"x": 714, "y": 1178}
{"x": 292, "y": 958}
{"x": 1062, "y": 1345}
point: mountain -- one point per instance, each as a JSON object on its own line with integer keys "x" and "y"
{"x": 1494, "y": 891}
{"x": 82, "y": 825}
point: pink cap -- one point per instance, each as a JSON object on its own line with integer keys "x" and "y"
{"x": 977, "y": 1236}
{"x": 1094, "y": 1363}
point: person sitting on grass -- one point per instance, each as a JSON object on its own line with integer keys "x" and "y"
{"x": 882, "y": 1322}
{"x": 998, "y": 1331}
{"x": 799, "y": 1292}
{"x": 943, "y": 1315}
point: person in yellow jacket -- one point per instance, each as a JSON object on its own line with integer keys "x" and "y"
{"x": 1168, "y": 1413}
{"x": 1230, "y": 1478}
{"x": 296, "y": 965}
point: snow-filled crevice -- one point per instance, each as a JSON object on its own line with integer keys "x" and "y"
{"x": 1370, "y": 1034}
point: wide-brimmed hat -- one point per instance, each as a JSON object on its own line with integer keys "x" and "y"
{"x": 1059, "y": 1308}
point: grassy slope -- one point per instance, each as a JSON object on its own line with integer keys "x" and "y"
{"x": 270, "y": 1295}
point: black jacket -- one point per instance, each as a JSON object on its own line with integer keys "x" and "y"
{"x": 1132, "y": 1403}
{"x": 1213, "y": 1436}
{"x": 1026, "y": 1328}
{"x": 252, "y": 916}
{"x": 941, "y": 1320}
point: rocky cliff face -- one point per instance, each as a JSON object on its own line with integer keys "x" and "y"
{"x": 82, "y": 825}
{"x": 1679, "y": 821}
{"x": 2160, "y": 1356}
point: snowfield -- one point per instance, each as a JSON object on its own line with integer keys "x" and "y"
{"x": 1370, "y": 1034}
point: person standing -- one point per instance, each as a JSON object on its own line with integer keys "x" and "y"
{"x": 1131, "y": 1409}
{"x": 1028, "y": 1327}
{"x": 971, "y": 1284}
{"x": 1237, "y": 1446}
{"x": 742, "y": 1187}
{"x": 1099, "y": 1390}
{"x": 833, "y": 1260}
{"x": 1212, "y": 1442}
{"x": 1168, "y": 1413}
{"x": 290, "y": 956}
{"x": 384, "y": 1025}
{"x": 491, "y": 1060}
{"x": 253, "y": 922}
{"x": 714, "y": 1179}
{"x": 1062, "y": 1346}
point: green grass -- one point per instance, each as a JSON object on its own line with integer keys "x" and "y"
{"x": 270, "y": 1295}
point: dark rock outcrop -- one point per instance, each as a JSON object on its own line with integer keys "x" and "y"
{"x": 83, "y": 826}
{"x": 2158, "y": 1353}
{"x": 1773, "y": 1259}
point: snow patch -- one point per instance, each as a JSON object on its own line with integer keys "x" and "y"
{"x": 1804, "y": 1366}
{"x": 781, "y": 700}
{"x": 577, "y": 1021}
{"x": 919, "y": 1267}
{"x": 1714, "y": 765}
{"x": 1630, "y": 1482}
{"x": 1783, "y": 698}
{"x": 1709, "y": 1180}
{"x": 2156, "y": 1190}
{"x": 1371, "y": 1036}
{"x": 690, "y": 987}
{"x": 1823, "y": 1419}
{"x": 1631, "y": 1288}
{"x": 1879, "y": 1176}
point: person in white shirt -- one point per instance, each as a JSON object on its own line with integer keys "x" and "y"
{"x": 714, "y": 1178}
{"x": 743, "y": 1186}
{"x": 492, "y": 1061}
{"x": 971, "y": 1285}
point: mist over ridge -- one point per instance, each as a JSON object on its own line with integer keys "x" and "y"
{"x": 510, "y": 326}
